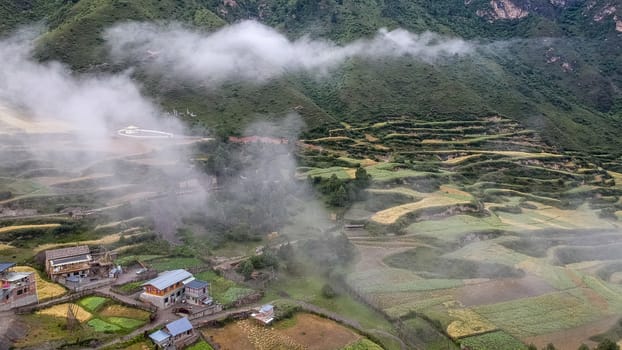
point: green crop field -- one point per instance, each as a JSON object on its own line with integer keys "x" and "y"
{"x": 540, "y": 315}
{"x": 93, "y": 303}
{"x": 103, "y": 326}
{"x": 124, "y": 322}
{"x": 493, "y": 340}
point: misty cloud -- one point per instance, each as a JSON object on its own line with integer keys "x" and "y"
{"x": 94, "y": 104}
{"x": 251, "y": 51}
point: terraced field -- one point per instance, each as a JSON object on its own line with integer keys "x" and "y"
{"x": 482, "y": 229}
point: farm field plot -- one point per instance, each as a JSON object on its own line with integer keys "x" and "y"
{"x": 26, "y": 227}
{"x": 493, "y": 225}
{"x": 304, "y": 331}
{"x": 573, "y": 338}
{"x": 493, "y": 340}
{"x": 540, "y": 315}
{"x": 432, "y": 201}
{"x": 60, "y": 310}
{"x": 501, "y": 290}
{"x": 99, "y": 318}
{"x": 552, "y": 217}
{"x": 453, "y": 228}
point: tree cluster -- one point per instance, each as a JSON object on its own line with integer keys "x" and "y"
{"x": 340, "y": 192}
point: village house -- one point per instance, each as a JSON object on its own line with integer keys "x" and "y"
{"x": 18, "y": 288}
{"x": 197, "y": 293}
{"x": 166, "y": 289}
{"x": 175, "y": 335}
{"x": 265, "y": 315}
{"x": 63, "y": 263}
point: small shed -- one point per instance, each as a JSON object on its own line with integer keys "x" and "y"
{"x": 265, "y": 315}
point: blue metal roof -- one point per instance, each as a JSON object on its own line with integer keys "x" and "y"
{"x": 159, "y": 336}
{"x": 168, "y": 278}
{"x": 266, "y": 308}
{"x": 179, "y": 326}
{"x": 6, "y": 266}
{"x": 197, "y": 284}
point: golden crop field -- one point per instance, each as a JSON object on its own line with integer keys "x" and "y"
{"x": 391, "y": 215}
{"x": 468, "y": 322}
{"x": 113, "y": 238}
{"x": 458, "y": 160}
{"x": 24, "y": 227}
{"x": 60, "y": 310}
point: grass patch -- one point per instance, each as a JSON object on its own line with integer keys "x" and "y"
{"x": 309, "y": 289}
{"x": 130, "y": 259}
{"x": 175, "y": 263}
{"x": 340, "y": 172}
{"x": 363, "y": 344}
{"x": 223, "y": 290}
{"x": 200, "y": 345}
{"x": 131, "y": 287}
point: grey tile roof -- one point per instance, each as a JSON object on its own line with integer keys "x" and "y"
{"x": 6, "y": 266}
{"x": 179, "y": 326}
{"x": 71, "y": 259}
{"x": 66, "y": 252}
{"x": 168, "y": 278}
{"x": 196, "y": 284}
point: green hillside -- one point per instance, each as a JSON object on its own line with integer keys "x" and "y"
{"x": 568, "y": 88}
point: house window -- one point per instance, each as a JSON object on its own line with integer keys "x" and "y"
{"x": 19, "y": 292}
{"x": 166, "y": 300}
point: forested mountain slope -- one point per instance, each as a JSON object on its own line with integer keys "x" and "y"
{"x": 553, "y": 65}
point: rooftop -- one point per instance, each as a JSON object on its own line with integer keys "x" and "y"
{"x": 168, "y": 278}
{"x": 179, "y": 326}
{"x": 66, "y": 252}
{"x": 5, "y": 266}
{"x": 266, "y": 308}
{"x": 71, "y": 260}
{"x": 16, "y": 276}
{"x": 159, "y": 336}
{"x": 197, "y": 284}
